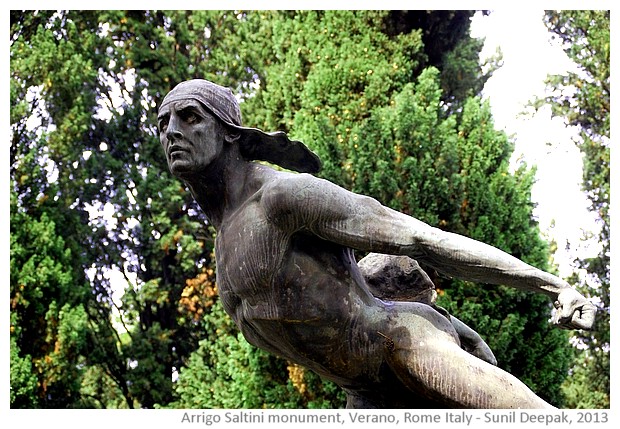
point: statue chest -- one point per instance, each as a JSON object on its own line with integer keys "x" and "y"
{"x": 249, "y": 251}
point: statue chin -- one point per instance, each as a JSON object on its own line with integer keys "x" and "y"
{"x": 187, "y": 165}
{"x": 180, "y": 168}
{"x": 181, "y": 163}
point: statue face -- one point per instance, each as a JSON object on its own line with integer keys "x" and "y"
{"x": 191, "y": 136}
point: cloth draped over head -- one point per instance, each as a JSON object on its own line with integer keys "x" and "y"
{"x": 254, "y": 144}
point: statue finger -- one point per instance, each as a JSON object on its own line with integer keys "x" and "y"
{"x": 584, "y": 317}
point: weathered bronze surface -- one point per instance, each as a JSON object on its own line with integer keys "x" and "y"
{"x": 288, "y": 278}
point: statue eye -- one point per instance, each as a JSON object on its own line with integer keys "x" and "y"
{"x": 163, "y": 125}
{"x": 191, "y": 118}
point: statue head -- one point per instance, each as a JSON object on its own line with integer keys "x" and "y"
{"x": 216, "y": 103}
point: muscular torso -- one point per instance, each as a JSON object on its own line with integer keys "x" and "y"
{"x": 287, "y": 276}
{"x": 296, "y": 295}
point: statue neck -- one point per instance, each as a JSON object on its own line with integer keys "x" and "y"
{"x": 226, "y": 184}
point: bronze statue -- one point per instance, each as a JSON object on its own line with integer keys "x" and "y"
{"x": 288, "y": 278}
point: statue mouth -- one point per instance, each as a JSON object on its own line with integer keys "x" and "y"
{"x": 176, "y": 149}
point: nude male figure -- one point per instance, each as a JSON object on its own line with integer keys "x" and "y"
{"x": 288, "y": 278}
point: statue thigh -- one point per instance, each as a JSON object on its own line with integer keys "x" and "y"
{"x": 423, "y": 350}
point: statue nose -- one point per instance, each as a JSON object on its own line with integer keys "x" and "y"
{"x": 173, "y": 133}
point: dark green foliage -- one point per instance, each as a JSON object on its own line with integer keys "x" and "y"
{"x": 49, "y": 325}
{"x": 23, "y": 381}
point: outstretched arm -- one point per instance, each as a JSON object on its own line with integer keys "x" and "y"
{"x": 303, "y": 202}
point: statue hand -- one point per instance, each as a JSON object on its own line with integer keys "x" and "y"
{"x": 573, "y": 311}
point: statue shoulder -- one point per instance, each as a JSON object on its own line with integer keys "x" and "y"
{"x": 288, "y": 197}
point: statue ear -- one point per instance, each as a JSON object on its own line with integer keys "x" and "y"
{"x": 232, "y": 136}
